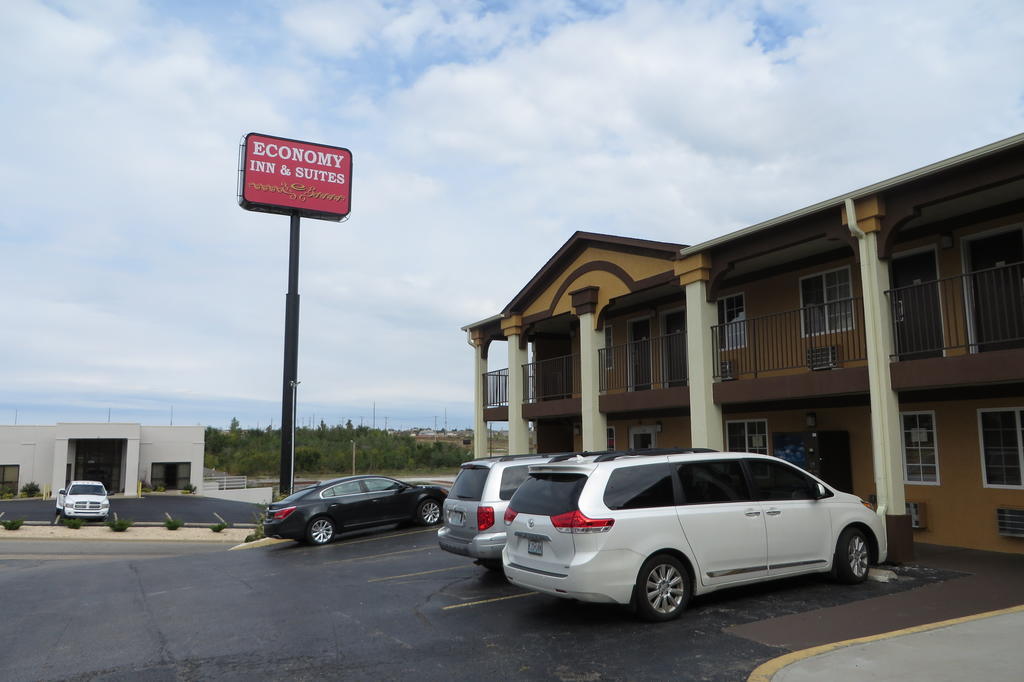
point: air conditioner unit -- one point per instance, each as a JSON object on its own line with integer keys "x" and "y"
{"x": 823, "y": 357}
{"x": 725, "y": 370}
{"x": 1010, "y": 522}
{"x": 918, "y": 517}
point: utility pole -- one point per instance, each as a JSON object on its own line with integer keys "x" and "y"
{"x": 353, "y": 457}
{"x": 375, "y": 415}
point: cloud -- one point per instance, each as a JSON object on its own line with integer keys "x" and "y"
{"x": 483, "y": 135}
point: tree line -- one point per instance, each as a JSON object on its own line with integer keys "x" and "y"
{"x": 327, "y": 449}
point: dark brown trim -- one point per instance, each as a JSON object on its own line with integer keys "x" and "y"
{"x": 791, "y": 266}
{"x": 645, "y": 401}
{"x": 1004, "y": 210}
{"x": 547, "y": 409}
{"x": 900, "y": 538}
{"x": 961, "y": 393}
{"x": 847, "y": 381}
{"x": 584, "y": 300}
{"x": 801, "y": 403}
{"x": 1002, "y": 366}
{"x": 496, "y": 414}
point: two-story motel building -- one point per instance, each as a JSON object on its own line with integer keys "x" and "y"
{"x": 876, "y": 338}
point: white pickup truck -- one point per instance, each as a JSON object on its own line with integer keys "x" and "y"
{"x": 83, "y": 499}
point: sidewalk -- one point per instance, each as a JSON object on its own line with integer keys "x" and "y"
{"x": 985, "y": 646}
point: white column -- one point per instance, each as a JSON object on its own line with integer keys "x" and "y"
{"x": 479, "y": 396}
{"x": 885, "y": 407}
{"x": 60, "y": 464}
{"x": 595, "y": 422}
{"x": 131, "y": 468}
{"x": 518, "y": 428}
{"x": 705, "y": 415}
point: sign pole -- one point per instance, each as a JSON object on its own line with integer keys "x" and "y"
{"x": 291, "y": 361}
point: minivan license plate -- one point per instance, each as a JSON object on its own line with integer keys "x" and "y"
{"x": 456, "y": 518}
{"x": 534, "y": 546}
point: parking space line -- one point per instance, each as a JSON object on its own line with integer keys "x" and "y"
{"x": 344, "y": 543}
{"x": 410, "y": 575}
{"x": 488, "y": 601}
{"x": 377, "y": 556}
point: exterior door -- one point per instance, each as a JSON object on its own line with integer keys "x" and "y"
{"x": 917, "y": 317}
{"x": 640, "y": 355}
{"x": 996, "y": 290}
{"x": 674, "y": 349}
{"x": 641, "y": 437}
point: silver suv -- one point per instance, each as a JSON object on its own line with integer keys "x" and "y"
{"x": 476, "y": 504}
{"x": 652, "y": 529}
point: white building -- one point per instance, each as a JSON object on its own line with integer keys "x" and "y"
{"x": 118, "y": 455}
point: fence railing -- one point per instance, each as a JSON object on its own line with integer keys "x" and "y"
{"x": 496, "y": 388}
{"x": 225, "y": 482}
{"x": 976, "y": 312}
{"x": 814, "y": 337}
{"x": 657, "y": 362}
{"x": 552, "y": 379}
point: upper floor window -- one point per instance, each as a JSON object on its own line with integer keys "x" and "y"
{"x": 732, "y": 315}
{"x": 1002, "y": 446}
{"x": 920, "y": 453}
{"x": 748, "y": 436}
{"x": 825, "y": 302}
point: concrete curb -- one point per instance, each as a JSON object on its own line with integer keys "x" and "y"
{"x": 265, "y": 542}
{"x": 767, "y": 671}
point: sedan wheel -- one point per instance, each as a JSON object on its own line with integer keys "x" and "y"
{"x": 852, "y": 557}
{"x": 428, "y": 512}
{"x": 662, "y": 588}
{"x": 320, "y": 531}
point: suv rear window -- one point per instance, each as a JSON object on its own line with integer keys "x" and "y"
{"x": 549, "y": 494}
{"x": 511, "y": 479}
{"x": 469, "y": 485}
{"x": 641, "y": 487}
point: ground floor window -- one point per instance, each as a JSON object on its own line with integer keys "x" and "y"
{"x": 1002, "y": 446}
{"x": 748, "y": 436}
{"x": 611, "y": 437}
{"x": 171, "y": 475}
{"x": 920, "y": 452}
{"x": 9, "y": 479}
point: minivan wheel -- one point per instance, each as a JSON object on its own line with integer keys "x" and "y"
{"x": 663, "y": 588}
{"x": 320, "y": 531}
{"x": 850, "y": 563}
{"x": 428, "y": 513}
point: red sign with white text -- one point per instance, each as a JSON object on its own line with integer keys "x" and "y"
{"x": 278, "y": 175}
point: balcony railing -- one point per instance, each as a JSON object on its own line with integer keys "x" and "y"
{"x": 552, "y": 379}
{"x": 496, "y": 388}
{"x": 814, "y": 337}
{"x": 977, "y": 312}
{"x": 658, "y": 362}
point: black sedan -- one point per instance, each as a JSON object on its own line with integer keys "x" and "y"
{"x": 316, "y": 514}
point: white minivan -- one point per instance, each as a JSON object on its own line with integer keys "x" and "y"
{"x": 653, "y": 529}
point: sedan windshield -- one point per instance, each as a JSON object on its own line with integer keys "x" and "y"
{"x": 87, "y": 489}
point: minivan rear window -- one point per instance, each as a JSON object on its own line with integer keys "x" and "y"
{"x": 469, "y": 485}
{"x": 511, "y": 479}
{"x": 549, "y": 494}
{"x": 640, "y": 487}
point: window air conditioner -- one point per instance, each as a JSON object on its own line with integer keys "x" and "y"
{"x": 725, "y": 370}
{"x": 918, "y": 517}
{"x": 823, "y": 357}
{"x": 1010, "y": 522}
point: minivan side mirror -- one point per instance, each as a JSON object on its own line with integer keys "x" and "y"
{"x": 61, "y": 491}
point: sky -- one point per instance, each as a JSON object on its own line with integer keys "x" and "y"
{"x": 483, "y": 134}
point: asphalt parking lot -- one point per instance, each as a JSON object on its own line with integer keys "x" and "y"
{"x": 387, "y": 604}
{"x": 148, "y": 508}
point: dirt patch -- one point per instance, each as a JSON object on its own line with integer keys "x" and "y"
{"x": 142, "y": 533}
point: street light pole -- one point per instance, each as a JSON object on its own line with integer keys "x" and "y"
{"x": 291, "y": 361}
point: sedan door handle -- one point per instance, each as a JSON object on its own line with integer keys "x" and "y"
{"x": 773, "y": 512}
{"x": 752, "y": 513}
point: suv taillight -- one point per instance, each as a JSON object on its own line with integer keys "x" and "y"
{"x": 510, "y": 515}
{"x": 484, "y": 517}
{"x": 282, "y": 513}
{"x": 577, "y": 522}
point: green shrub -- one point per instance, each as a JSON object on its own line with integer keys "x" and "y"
{"x": 73, "y": 523}
{"x": 120, "y": 525}
{"x": 161, "y": 489}
{"x": 218, "y": 527}
{"x": 174, "y": 524}
{"x": 12, "y": 524}
{"x": 30, "y": 489}
{"x": 8, "y": 496}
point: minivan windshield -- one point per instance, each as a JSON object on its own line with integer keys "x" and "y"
{"x": 470, "y": 483}
{"x": 548, "y": 494}
{"x": 87, "y": 489}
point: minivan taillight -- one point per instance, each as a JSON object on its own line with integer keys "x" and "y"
{"x": 577, "y": 522}
{"x": 282, "y": 513}
{"x": 484, "y": 517}
{"x": 510, "y": 515}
